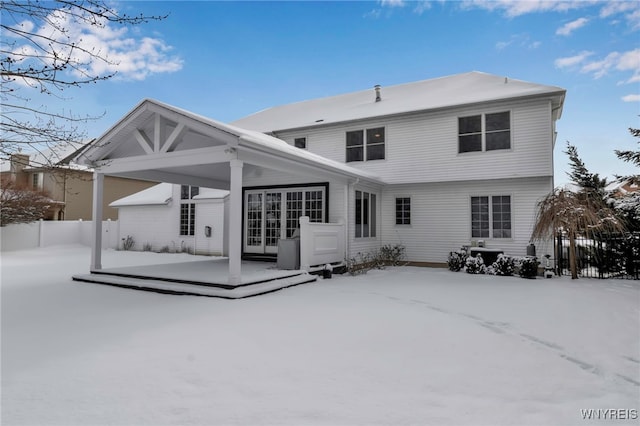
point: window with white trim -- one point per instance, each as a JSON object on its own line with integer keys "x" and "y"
{"x": 365, "y": 214}
{"x": 484, "y": 132}
{"x": 403, "y": 211}
{"x": 187, "y": 209}
{"x": 365, "y": 145}
{"x": 491, "y": 216}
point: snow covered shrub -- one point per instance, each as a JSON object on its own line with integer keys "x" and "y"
{"x": 392, "y": 255}
{"x": 456, "y": 260}
{"x": 528, "y": 266}
{"x": 360, "y": 264}
{"x": 146, "y": 247}
{"x": 475, "y": 265}
{"x": 128, "y": 242}
{"x": 504, "y": 265}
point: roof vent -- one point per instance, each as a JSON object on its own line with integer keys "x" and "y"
{"x": 377, "y": 87}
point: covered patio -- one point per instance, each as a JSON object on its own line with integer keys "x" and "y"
{"x": 200, "y": 278}
{"x": 162, "y": 143}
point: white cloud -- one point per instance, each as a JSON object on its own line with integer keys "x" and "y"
{"x": 571, "y": 61}
{"x": 517, "y": 8}
{"x": 614, "y": 62}
{"x": 132, "y": 58}
{"x": 392, "y": 3}
{"x": 522, "y": 40}
{"x": 631, "y": 98}
{"x": 602, "y": 67}
{"x": 570, "y": 27}
{"x": 422, "y": 6}
{"x": 616, "y": 7}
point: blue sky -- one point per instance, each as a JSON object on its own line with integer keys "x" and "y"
{"x": 229, "y": 59}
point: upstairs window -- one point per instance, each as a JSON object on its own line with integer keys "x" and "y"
{"x": 485, "y": 132}
{"x": 366, "y": 145}
{"x": 300, "y": 143}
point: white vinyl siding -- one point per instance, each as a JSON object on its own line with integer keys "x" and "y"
{"x": 440, "y": 216}
{"x": 424, "y": 147}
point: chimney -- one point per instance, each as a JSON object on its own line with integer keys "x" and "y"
{"x": 377, "y": 87}
{"x": 18, "y": 162}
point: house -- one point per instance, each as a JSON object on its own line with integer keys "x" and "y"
{"x": 68, "y": 184}
{"x": 622, "y": 188}
{"x": 192, "y": 219}
{"x": 432, "y": 165}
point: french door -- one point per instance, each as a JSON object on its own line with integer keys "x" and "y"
{"x": 272, "y": 214}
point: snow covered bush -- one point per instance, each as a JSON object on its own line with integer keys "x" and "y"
{"x": 527, "y": 266}
{"x": 392, "y": 255}
{"x": 504, "y": 265}
{"x": 456, "y": 260}
{"x": 475, "y": 265}
{"x": 128, "y": 243}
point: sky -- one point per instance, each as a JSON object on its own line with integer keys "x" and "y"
{"x": 228, "y": 59}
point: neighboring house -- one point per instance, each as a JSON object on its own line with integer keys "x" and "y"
{"x": 432, "y": 165}
{"x": 66, "y": 183}
{"x": 622, "y": 188}
{"x": 175, "y": 218}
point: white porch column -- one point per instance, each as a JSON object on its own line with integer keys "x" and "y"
{"x": 96, "y": 224}
{"x": 235, "y": 222}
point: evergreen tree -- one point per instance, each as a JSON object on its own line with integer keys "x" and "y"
{"x": 589, "y": 183}
{"x": 632, "y": 157}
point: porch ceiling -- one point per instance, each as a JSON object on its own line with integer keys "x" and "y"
{"x": 162, "y": 143}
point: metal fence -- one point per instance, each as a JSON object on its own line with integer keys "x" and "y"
{"x": 601, "y": 256}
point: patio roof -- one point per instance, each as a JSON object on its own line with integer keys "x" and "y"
{"x": 163, "y": 143}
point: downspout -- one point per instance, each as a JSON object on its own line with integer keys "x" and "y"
{"x": 347, "y": 221}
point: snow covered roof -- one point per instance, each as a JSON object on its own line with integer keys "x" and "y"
{"x": 461, "y": 89}
{"x": 60, "y": 156}
{"x": 162, "y": 194}
{"x": 117, "y": 141}
{"x": 211, "y": 194}
{"x": 156, "y": 195}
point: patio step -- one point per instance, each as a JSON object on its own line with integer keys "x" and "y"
{"x": 183, "y": 288}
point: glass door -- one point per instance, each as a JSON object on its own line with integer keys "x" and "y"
{"x": 271, "y": 214}
{"x": 253, "y": 232}
{"x": 273, "y": 219}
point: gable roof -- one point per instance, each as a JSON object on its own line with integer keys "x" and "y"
{"x": 445, "y": 92}
{"x": 156, "y": 195}
{"x": 162, "y": 194}
{"x": 253, "y": 147}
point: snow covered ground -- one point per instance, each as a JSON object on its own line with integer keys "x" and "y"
{"x": 399, "y": 346}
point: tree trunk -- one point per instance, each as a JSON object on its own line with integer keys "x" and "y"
{"x": 573, "y": 265}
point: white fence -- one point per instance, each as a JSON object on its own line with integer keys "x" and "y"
{"x": 51, "y": 233}
{"x": 321, "y": 243}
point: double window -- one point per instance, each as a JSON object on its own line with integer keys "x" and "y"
{"x": 491, "y": 216}
{"x": 365, "y": 144}
{"x": 187, "y": 209}
{"x": 485, "y": 132}
{"x": 403, "y": 211}
{"x": 365, "y": 214}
